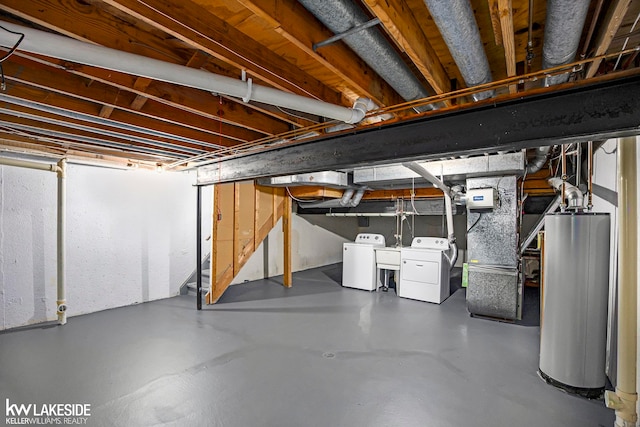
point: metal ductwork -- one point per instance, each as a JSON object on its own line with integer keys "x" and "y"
{"x": 572, "y": 193}
{"x": 369, "y": 44}
{"x": 535, "y": 164}
{"x": 565, "y": 19}
{"x": 333, "y": 179}
{"x": 458, "y": 27}
{"x": 350, "y": 199}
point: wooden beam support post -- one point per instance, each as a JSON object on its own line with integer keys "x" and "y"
{"x": 287, "y": 281}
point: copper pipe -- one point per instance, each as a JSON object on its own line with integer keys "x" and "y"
{"x": 530, "y": 38}
{"x": 590, "y": 173}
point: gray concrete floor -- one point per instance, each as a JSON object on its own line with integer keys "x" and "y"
{"x": 314, "y": 355}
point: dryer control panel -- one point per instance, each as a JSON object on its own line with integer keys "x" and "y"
{"x": 436, "y": 243}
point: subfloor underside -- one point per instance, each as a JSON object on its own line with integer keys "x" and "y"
{"x": 313, "y": 355}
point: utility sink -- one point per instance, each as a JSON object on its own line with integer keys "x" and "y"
{"x": 388, "y": 258}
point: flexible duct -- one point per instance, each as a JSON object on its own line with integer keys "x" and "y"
{"x": 369, "y": 44}
{"x": 48, "y": 44}
{"x": 565, "y": 19}
{"x": 459, "y": 29}
{"x": 350, "y": 199}
{"x": 572, "y": 193}
{"x": 539, "y": 160}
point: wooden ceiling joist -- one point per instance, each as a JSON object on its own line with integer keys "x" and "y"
{"x": 408, "y": 35}
{"x": 613, "y": 20}
{"x": 285, "y": 16}
{"x": 62, "y": 89}
{"x": 210, "y": 34}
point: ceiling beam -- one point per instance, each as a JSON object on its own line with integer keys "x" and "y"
{"x": 502, "y": 10}
{"x": 285, "y": 16}
{"x": 42, "y": 81}
{"x": 103, "y": 28}
{"x": 552, "y": 116}
{"x": 246, "y": 121}
{"x": 408, "y": 35}
{"x": 202, "y": 30}
{"x": 612, "y": 21}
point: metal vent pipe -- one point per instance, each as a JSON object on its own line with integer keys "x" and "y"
{"x": 565, "y": 19}
{"x": 369, "y": 44}
{"x": 459, "y": 29}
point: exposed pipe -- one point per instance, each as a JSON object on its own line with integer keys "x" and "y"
{"x": 625, "y": 397}
{"x": 369, "y": 44}
{"x": 530, "y": 54}
{"x": 61, "y": 302}
{"x": 48, "y": 44}
{"x": 590, "y": 173}
{"x": 458, "y": 27}
{"x": 571, "y": 193}
{"x": 563, "y": 205}
{"x": 61, "y": 170}
{"x": 420, "y": 170}
{"x": 542, "y": 153}
{"x": 563, "y": 28}
{"x": 355, "y": 201}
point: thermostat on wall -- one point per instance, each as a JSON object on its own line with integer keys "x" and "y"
{"x": 482, "y": 198}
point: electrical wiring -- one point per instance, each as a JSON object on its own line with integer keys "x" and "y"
{"x": 8, "y": 54}
{"x": 475, "y": 223}
{"x": 294, "y": 198}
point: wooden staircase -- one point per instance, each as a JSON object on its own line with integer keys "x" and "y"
{"x": 243, "y": 215}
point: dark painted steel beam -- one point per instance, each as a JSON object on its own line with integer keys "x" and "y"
{"x": 579, "y": 114}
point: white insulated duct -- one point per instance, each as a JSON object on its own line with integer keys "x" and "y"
{"x": 459, "y": 29}
{"x": 417, "y": 168}
{"x": 369, "y": 44}
{"x": 65, "y": 48}
{"x": 562, "y": 31}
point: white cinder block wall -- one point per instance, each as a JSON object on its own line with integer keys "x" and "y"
{"x": 130, "y": 238}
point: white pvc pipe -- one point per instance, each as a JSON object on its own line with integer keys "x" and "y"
{"x": 43, "y": 43}
{"x": 625, "y": 398}
{"x": 61, "y": 302}
{"x": 60, "y": 169}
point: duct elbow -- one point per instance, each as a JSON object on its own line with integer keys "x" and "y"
{"x": 355, "y": 201}
{"x": 572, "y": 193}
{"x": 539, "y": 160}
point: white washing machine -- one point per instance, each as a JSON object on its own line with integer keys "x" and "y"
{"x": 359, "y": 261}
{"x": 424, "y": 270}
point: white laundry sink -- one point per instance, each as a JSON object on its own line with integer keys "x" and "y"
{"x": 388, "y": 258}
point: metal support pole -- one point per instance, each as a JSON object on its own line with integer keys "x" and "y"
{"x": 590, "y": 173}
{"x": 199, "y": 247}
{"x": 563, "y": 203}
{"x": 61, "y": 302}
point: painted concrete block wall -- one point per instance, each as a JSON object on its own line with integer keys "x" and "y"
{"x": 130, "y": 238}
{"x": 312, "y": 246}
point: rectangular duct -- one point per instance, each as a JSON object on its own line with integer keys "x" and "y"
{"x": 325, "y": 178}
{"x": 454, "y": 170}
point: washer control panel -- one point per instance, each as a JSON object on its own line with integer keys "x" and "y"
{"x": 370, "y": 238}
{"x": 437, "y": 243}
